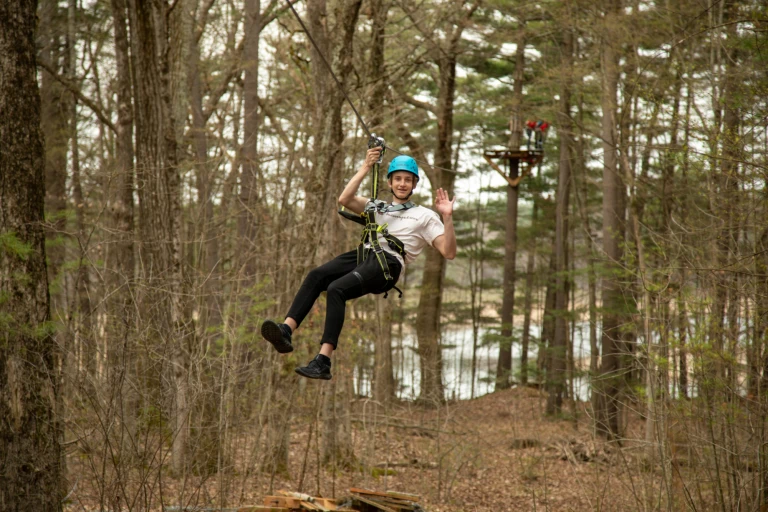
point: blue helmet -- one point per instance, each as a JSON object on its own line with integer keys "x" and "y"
{"x": 403, "y": 163}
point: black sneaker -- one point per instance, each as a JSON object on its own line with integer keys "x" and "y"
{"x": 279, "y": 335}
{"x": 316, "y": 369}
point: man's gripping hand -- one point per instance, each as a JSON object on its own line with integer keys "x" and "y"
{"x": 371, "y": 157}
{"x": 349, "y": 198}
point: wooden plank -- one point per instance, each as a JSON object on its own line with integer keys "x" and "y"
{"x": 299, "y": 495}
{"x": 520, "y": 154}
{"x": 512, "y": 182}
{"x": 249, "y": 508}
{"x": 389, "y": 494}
{"x": 281, "y": 501}
{"x": 324, "y": 504}
{"x": 258, "y": 508}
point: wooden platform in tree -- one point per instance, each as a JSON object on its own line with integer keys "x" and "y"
{"x": 529, "y": 156}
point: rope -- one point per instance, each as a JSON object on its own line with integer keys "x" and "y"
{"x": 346, "y": 97}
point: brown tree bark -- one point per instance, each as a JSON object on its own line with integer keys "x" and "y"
{"x": 504, "y": 365}
{"x": 210, "y": 305}
{"x": 122, "y": 206}
{"x": 120, "y": 260}
{"x": 53, "y": 122}
{"x": 608, "y": 385}
{"x": 54, "y": 116}
{"x": 248, "y": 221}
{"x": 338, "y": 451}
{"x": 556, "y": 371}
{"x": 83, "y": 342}
{"x": 383, "y": 372}
{"x": 383, "y": 369}
{"x": 29, "y": 434}
{"x": 530, "y": 269}
{"x": 160, "y": 209}
{"x": 548, "y": 322}
{"x": 726, "y": 179}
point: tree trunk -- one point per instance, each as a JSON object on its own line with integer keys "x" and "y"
{"x": 682, "y": 329}
{"x": 279, "y": 413}
{"x": 383, "y": 371}
{"x": 160, "y": 209}
{"x": 120, "y": 260}
{"x": 338, "y": 450}
{"x": 29, "y": 432}
{"x": 428, "y": 329}
{"x": 431, "y": 298}
{"x": 609, "y": 383}
{"x": 547, "y": 324}
{"x": 681, "y": 298}
{"x": 248, "y": 221}
{"x": 383, "y": 376}
{"x": 210, "y": 305}
{"x": 54, "y": 115}
{"x": 726, "y": 180}
{"x": 504, "y": 367}
{"x": 83, "y": 340}
{"x": 476, "y": 273}
{"x": 528, "y": 300}
{"x": 556, "y": 371}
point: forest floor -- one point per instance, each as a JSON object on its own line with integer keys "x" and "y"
{"x": 499, "y": 452}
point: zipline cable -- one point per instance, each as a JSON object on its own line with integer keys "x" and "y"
{"x": 341, "y": 88}
{"x": 330, "y": 69}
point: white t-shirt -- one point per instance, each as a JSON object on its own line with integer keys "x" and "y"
{"x": 415, "y": 227}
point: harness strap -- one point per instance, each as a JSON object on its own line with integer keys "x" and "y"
{"x": 398, "y": 291}
{"x": 371, "y": 231}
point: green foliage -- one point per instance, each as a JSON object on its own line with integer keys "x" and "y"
{"x": 12, "y": 245}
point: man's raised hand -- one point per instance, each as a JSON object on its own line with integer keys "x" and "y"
{"x": 444, "y": 205}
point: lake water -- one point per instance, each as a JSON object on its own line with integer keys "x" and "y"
{"x": 457, "y": 364}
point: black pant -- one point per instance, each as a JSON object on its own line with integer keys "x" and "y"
{"x": 343, "y": 279}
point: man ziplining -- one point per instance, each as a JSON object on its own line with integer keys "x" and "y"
{"x": 395, "y": 234}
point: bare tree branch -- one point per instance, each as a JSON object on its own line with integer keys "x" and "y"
{"x": 74, "y": 89}
{"x": 416, "y": 103}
